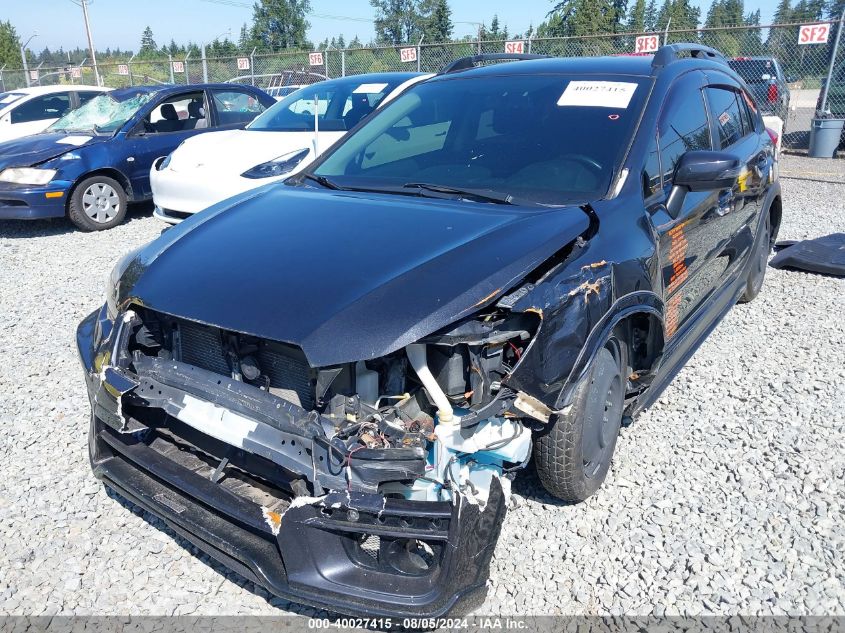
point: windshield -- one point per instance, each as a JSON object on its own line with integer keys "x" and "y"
{"x": 548, "y": 139}
{"x": 754, "y": 70}
{"x": 102, "y": 114}
{"x": 339, "y": 106}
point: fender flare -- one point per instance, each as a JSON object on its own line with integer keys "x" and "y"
{"x": 639, "y": 302}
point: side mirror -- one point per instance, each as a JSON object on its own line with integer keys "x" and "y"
{"x": 702, "y": 170}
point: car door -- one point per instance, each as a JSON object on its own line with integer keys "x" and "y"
{"x": 735, "y": 131}
{"x": 165, "y": 124}
{"x": 36, "y": 114}
{"x": 692, "y": 242}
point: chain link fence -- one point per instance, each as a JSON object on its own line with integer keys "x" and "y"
{"x": 792, "y": 86}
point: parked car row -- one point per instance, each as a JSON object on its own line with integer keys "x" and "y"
{"x": 327, "y": 383}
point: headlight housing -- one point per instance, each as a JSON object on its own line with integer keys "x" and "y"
{"x": 27, "y": 175}
{"x": 278, "y": 166}
{"x": 164, "y": 164}
{"x": 113, "y": 285}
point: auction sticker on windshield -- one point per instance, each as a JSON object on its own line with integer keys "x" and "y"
{"x": 370, "y": 89}
{"x": 598, "y": 94}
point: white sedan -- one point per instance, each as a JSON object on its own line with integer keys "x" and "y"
{"x": 208, "y": 168}
{"x": 31, "y": 110}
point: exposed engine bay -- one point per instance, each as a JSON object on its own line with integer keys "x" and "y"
{"x": 429, "y": 422}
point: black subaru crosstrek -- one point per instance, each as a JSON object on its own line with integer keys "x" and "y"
{"x": 328, "y": 383}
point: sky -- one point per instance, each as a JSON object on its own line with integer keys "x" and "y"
{"x": 119, "y": 23}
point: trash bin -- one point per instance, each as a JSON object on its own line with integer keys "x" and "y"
{"x": 825, "y": 135}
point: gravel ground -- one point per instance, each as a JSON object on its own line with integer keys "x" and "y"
{"x": 726, "y": 497}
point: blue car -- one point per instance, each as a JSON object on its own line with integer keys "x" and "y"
{"x": 93, "y": 161}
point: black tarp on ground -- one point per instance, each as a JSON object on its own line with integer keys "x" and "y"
{"x": 825, "y": 255}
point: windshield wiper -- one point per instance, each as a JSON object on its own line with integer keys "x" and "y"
{"x": 322, "y": 180}
{"x": 485, "y": 195}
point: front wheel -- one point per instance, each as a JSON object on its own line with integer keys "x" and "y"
{"x": 573, "y": 456}
{"x": 97, "y": 203}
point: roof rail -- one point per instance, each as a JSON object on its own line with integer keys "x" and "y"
{"x": 670, "y": 53}
{"x": 465, "y": 63}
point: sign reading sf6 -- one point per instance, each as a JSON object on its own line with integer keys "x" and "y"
{"x": 243, "y": 63}
{"x": 315, "y": 59}
{"x": 813, "y": 33}
{"x": 647, "y": 44}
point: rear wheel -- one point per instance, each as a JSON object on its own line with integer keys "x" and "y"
{"x": 97, "y": 203}
{"x": 759, "y": 262}
{"x": 572, "y": 458}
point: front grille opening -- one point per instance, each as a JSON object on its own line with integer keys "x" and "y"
{"x": 279, "y": 368}
{"x": 245, "y": 474}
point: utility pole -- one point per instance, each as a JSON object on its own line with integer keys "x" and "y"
{"x": 90, "y": 41}
{"x": 23, "y": 58}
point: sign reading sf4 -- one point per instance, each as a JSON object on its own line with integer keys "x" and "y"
{"x": 515, "y": 48}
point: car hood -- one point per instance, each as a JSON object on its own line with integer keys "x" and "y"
{"x": 38, "y": 148}
{"x": 345, "y": 276}
{"x": 235, "y": 151}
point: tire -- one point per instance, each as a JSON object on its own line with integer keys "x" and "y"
{"x": 573, "y": 456}
{"x": 759, "y": 262}
{"x": 97, "y": 203}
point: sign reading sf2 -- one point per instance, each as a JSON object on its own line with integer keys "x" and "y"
{"x": 813, "y": 33}
{"x": 647, "y": 44}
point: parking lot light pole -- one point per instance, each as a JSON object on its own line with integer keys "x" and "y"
{"x": 129, "y": 69}
{"x": 23, "y": 58}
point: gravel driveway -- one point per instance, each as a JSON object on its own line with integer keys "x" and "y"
{"x": 726, "y": 497}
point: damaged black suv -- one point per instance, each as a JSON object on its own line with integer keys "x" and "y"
{"x": 328, "y": 383}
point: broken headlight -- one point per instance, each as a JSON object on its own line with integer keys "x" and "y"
{"x": 278, "y": 166}
{"x": 113, "y": 285}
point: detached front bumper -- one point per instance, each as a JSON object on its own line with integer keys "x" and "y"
{"x": 33, "y": 202}
{"x": 318, "y": 552}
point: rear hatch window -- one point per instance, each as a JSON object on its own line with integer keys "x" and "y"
{"x": 754, "y": 71}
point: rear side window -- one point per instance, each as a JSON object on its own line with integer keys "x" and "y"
{"x": 683, "y": 128}
{"x": 749, "y": 113}
{"x": 727, "y": 117}
{"x": 235, "y": 106}
{"x": 42, "y": 108}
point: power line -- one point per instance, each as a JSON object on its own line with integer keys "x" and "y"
{"x": 322, "y": 16}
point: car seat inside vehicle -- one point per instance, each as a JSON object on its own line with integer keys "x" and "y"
{"x": 170, "y": 121}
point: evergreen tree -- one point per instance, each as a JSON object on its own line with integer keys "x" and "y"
{"x": 650, "y": 21}
{"x": 280, "y": 23}
{"x": 148, "y": 44}
{"x": 10, "y": 45}
{"x": 438, "y": 27}
{"x": 397, "y": 21}
{"x": 636, "y": 19}
{"x": 494, "y": 27}
{"x": 244, "y": 40}
{"x": 752, "y": 39}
